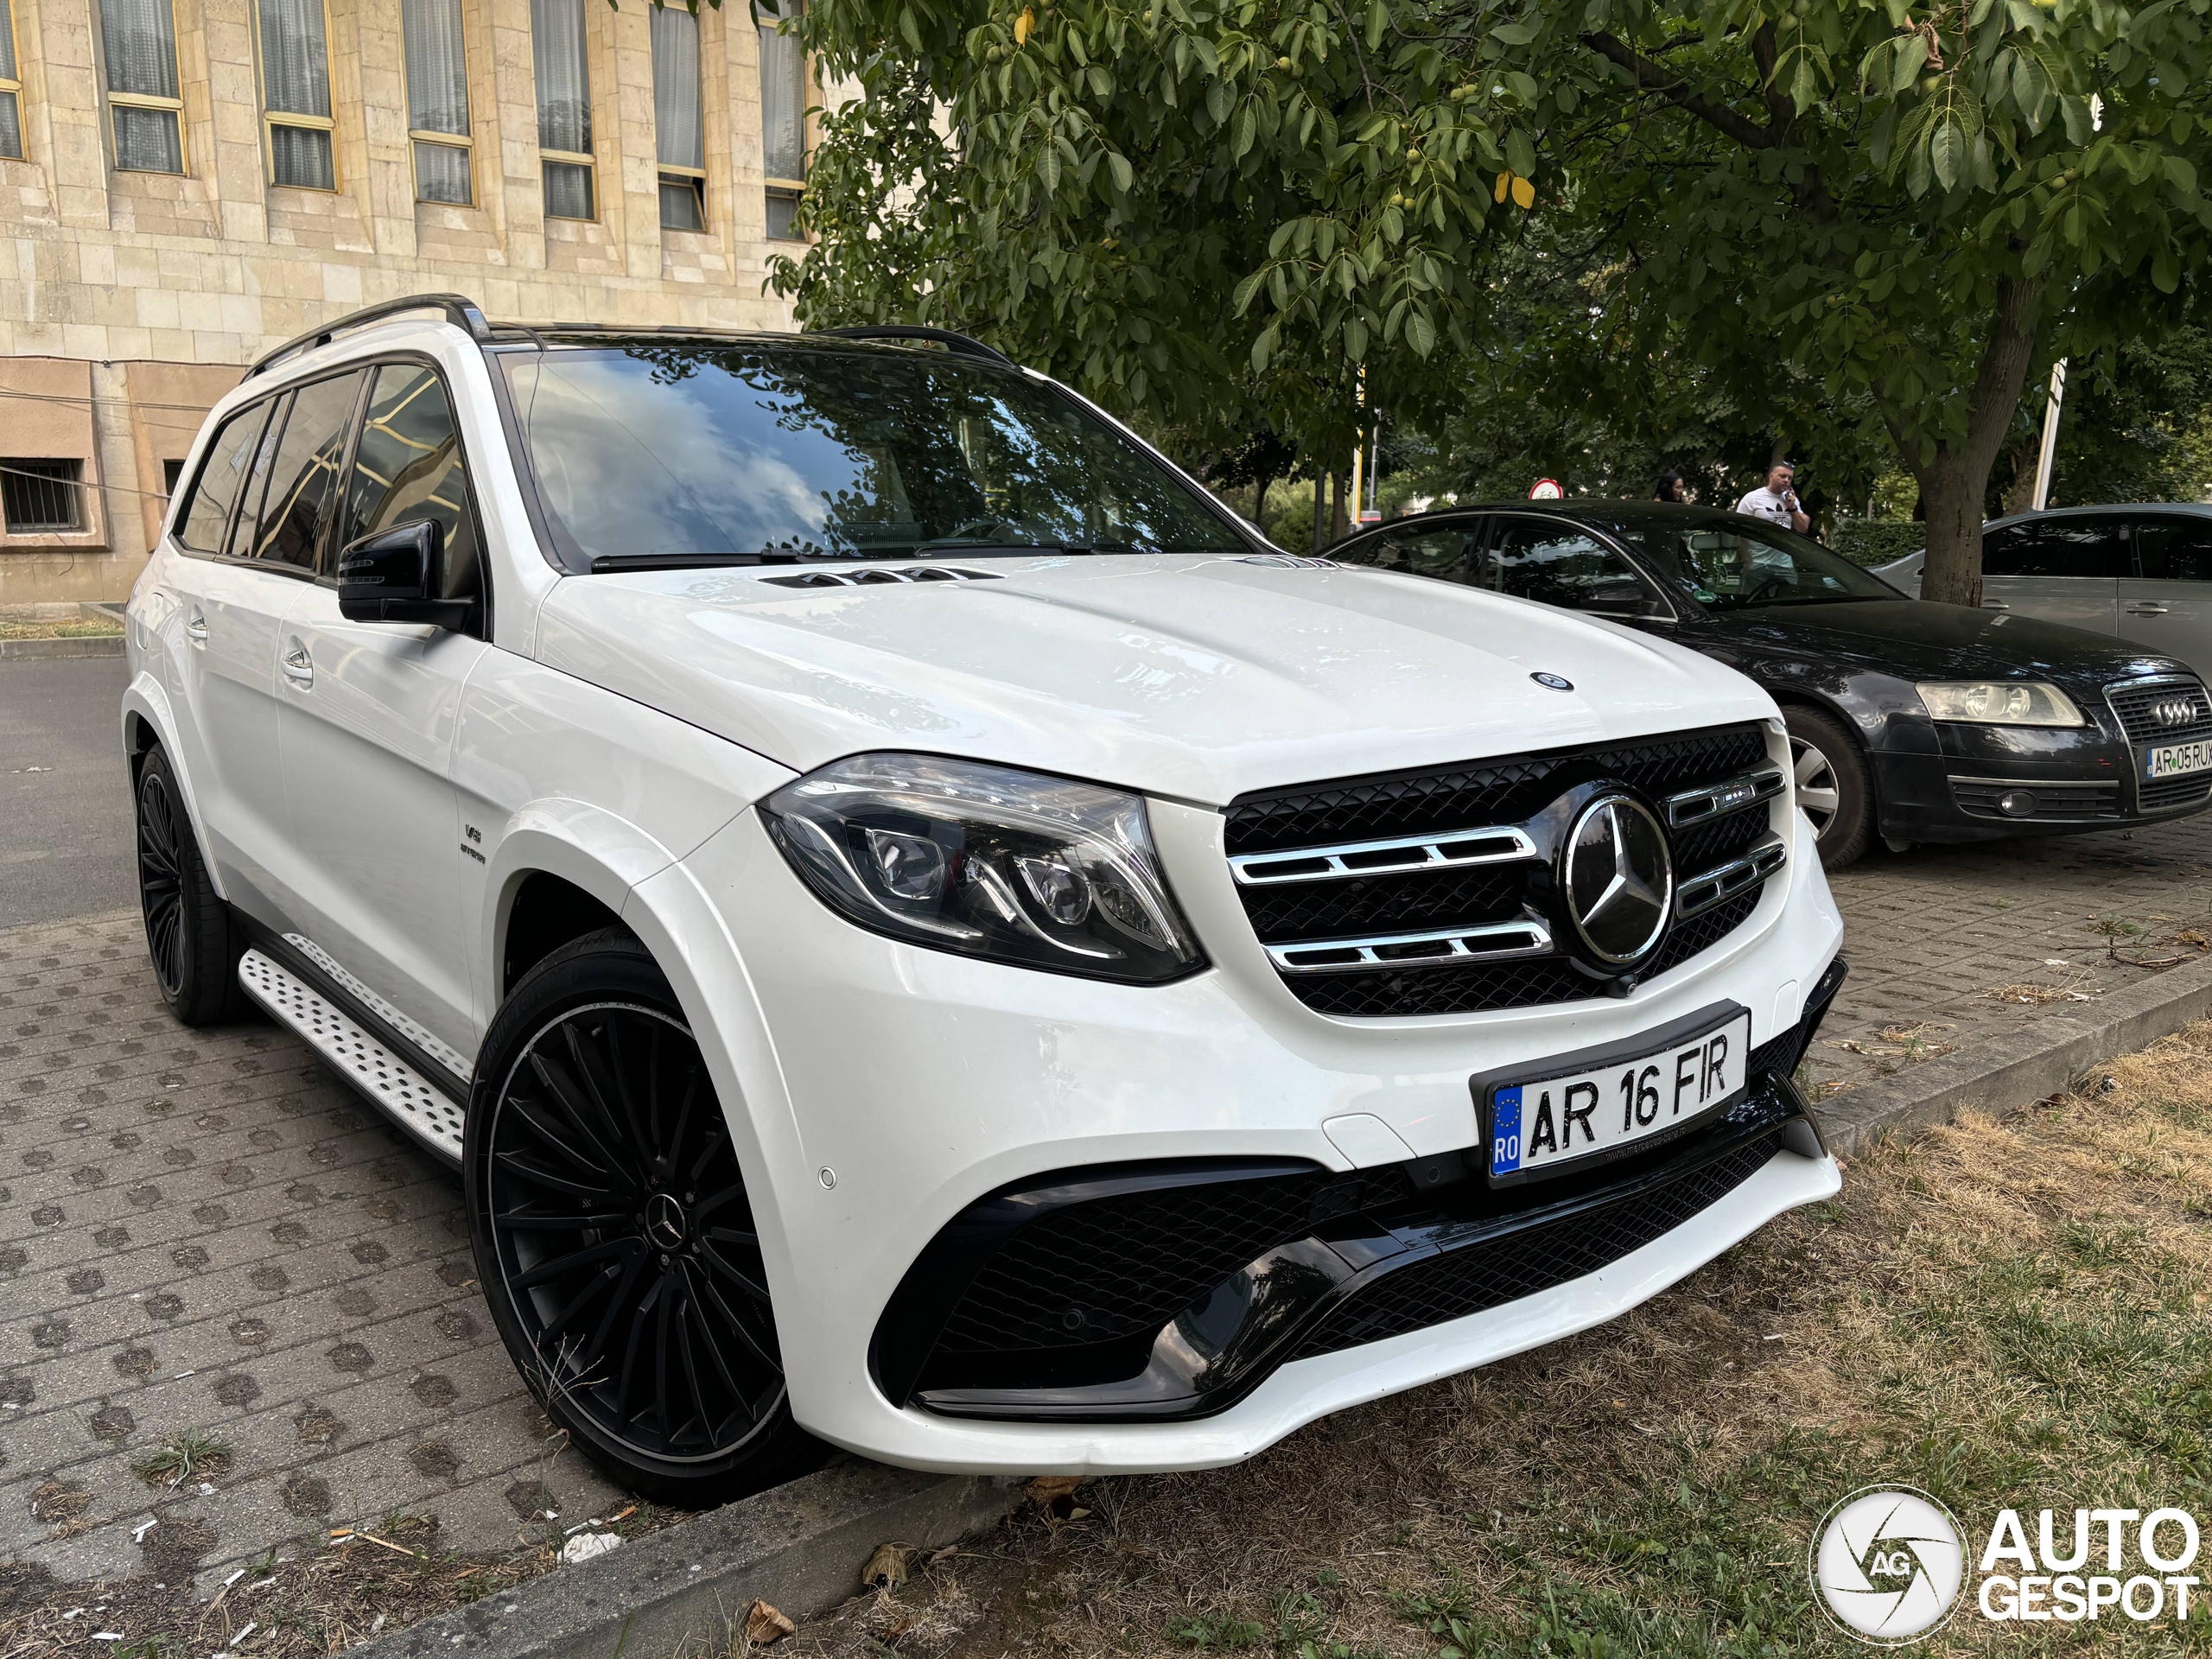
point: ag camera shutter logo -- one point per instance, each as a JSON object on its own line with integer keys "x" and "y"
{"x": 1889, "y": 1563}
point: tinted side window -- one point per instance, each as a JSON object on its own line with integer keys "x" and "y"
{"x": 303, "y": 477}
{"x": 409, "y": 466}
{"x": 2176, "y": 549}
{"x": 216, "y": 491}
{"x": 1435, "y": 550}
{"x": 256, "y": 479}
{"x": 1560, "y": 564}
{"x": 2058, "y": 547}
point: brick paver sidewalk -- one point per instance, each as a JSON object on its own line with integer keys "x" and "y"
{"x": 208, "y": 1231}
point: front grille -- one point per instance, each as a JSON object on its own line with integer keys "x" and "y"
{"x": 1490, "y": 1274}
{"x": 1505, "y": 791}
{"x": 2138, "y": 704}
{"x": 1978, "y": 798}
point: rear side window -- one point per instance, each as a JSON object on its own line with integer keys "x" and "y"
{"x": 1556, "y": 563}
{"x": 409, "y": 466}
{"x": 2058, "y": 547}
{"x": 1435, "y": 550}
{"x": 257, "y": 481}
{"x": 2176, "y": 549}
{"x": 303, "y": 476}
{"x": 221, "y": 476}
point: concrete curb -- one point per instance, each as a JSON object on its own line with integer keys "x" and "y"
{"x": 1999, "y": 1072}
{"x": 100, "y": 645}
{"x": 800, "y": 1547}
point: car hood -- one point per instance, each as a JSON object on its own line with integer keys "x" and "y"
{"x": 1919, "y": 639}
{"x": 1198, "y": 678}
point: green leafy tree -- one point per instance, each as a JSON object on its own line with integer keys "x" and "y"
{"x": 1162, "y": 199}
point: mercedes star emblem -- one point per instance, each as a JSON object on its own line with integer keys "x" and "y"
{"x": 1618, "y": 880}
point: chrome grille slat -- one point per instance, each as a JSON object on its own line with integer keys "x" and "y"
{"x": 1463, "y": 945}
{"x": 1713, "y": 801}
{"x": 1498, "y": 845}
{"x": 1702, "y": 892}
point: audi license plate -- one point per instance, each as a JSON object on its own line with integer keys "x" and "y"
{"x": 2175, "y": 760}
{"x": 1538, "y": 1128}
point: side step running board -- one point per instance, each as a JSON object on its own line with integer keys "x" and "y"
{"x": 388, "y": 1081}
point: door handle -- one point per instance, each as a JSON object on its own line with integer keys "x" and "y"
{"x": 1995, "y": 605}
{"x": 298, "y": 667}
{"x": 195, "y": 626}
{"x": 2147, "y": 607}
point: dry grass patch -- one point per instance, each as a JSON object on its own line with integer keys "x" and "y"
{"x": 2005, "y": 1314}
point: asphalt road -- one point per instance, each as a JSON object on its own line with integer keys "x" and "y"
{"x": 65, "y": 798}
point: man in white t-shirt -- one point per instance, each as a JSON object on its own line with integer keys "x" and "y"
{"x": 1777, "y": 502}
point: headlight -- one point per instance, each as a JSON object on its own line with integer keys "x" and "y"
{"x": 2001, "y": 702}
{"x": 987, "y": 861}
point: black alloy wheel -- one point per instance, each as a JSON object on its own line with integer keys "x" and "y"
{"x": 1834, "y": 789}
{"x": 614, "y": 1237}
{"x": 195, "y": 949}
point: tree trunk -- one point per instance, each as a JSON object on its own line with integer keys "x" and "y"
{"x": 1320, "y": 513}
{"x": 1260, "y": 501}
{"x": 2027, "y": 458}
{"x": 1339, "y": 487}
{"x": 1955, "y": 480}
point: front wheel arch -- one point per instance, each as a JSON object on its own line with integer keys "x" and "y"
{"x": 1857, "y": 794}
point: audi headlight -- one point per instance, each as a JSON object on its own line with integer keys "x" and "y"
{"x": 987, "y": 861}
{"x": 2001, "y": 702}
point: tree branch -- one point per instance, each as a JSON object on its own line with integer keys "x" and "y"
{"x": 1659, "y": 78}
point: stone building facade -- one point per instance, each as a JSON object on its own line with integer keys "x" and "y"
{"x": 185, "y": 183}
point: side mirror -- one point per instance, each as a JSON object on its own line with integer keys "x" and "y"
{"x": 386, "y": 578}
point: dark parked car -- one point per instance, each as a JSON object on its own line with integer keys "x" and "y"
{"x": 1908, "y": 720}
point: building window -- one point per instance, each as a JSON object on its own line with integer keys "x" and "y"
{"x": 437, "y": 100}
{"x": 556, "y": 41}
{"x": 296, "y": 93}
{"x": 41, "y": 496}
{"x": 139, "y": 39}
{"x": 679, "y": 132}
{"x": 172, "y": 475}
{"x": 11, "y": 86}
{"x": 783, "y": 119}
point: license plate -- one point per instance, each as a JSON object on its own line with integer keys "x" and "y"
{"x": 1540, "y": 1127}
{"x": 2174, "y": 760}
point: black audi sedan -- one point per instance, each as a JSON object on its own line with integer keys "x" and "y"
{"x": 1908, "y": 720}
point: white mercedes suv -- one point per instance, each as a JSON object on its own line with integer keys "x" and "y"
{"x": 923, "y": 934}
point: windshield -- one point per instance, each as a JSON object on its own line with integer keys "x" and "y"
{"x": 1726, "y": 561}
{"x": 664, "y": 451}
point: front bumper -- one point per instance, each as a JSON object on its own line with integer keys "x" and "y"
{"x": 877, "y": 1092}
{"x": 1100, "y": 1295}
{"x": 1951, "y": 788}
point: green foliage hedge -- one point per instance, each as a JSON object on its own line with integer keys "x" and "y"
{"x": 1876, "y": 541}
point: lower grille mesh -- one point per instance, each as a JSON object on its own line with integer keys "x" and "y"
{"x": 1484, "y": 1275}
{"x": 1117, "y": 1267}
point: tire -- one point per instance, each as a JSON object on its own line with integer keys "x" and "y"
{"x": 1833, "y": 790}
{"x": 614, "y": 1238}
{"x": 189, "y": 934}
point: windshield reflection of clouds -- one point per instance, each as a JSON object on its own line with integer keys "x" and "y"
{"x": 677, "y": 449}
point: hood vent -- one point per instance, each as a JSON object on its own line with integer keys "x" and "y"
{"x": 874, "y": 575}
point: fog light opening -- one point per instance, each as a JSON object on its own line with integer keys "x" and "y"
{"x": 2016, "y": 802}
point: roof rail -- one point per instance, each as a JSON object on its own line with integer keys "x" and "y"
{"x": 459, "y": 309}
{"x": 958, "y": 344}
